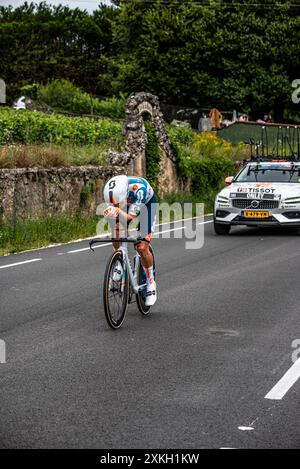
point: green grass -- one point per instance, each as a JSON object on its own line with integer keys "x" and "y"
{"x": 40, "y": 232}
{"x": 43, "y": 231}
{"x": 49, "y": 156}
{"x": 206, "y": 198}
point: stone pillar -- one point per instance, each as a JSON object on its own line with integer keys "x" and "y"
{"x": 133, "y": 156}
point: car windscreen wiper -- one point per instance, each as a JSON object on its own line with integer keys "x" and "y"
{"x": 292, "y": 171}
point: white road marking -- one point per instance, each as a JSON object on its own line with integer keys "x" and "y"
{"x": 19, "y": 263}
{"x": 88, "y": 238}
{"x": 87, "y": 249}
{"x": 246, "y": 429}
{"x": 181, "y": 227}
{"x": 286, "y": 382}
{"x": 74, "y": 251}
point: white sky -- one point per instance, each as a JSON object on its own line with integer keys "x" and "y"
{"x": 88, "y": 5}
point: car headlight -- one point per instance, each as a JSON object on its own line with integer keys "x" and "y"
{"x": 290, "y": 201}
{"x": 222, "y": 201}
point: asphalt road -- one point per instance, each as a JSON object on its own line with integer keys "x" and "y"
{"x": 194, "y": 374}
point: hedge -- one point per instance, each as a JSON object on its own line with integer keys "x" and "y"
{"x": 22, "y": 126}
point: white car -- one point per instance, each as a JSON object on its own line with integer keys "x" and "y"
{"x": 263, "y": 193}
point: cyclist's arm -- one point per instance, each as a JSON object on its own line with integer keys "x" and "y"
{"x": 132, "y": 213}
{"x": 114, "y": 212}
{"x": 125, "y": 217}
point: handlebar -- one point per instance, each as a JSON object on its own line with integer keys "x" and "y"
{"x": 110, "y": 240}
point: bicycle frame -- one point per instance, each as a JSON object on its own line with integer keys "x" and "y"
{"x": 132, "y": 272}
{"x": 123, "y": 247}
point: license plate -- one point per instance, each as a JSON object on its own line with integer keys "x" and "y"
{"x": 255, "y": 214}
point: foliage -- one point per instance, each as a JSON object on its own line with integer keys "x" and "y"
{"x": 152, "y": 156}
{"x": 50, "y": 155}
{"x": 30, "y": 91}
{"x": 184, "y": 197}
{"x": 204, "y": 158}
{"x": 35, "y": 127}
{"x": 241, "y": 55}
{"x": 232, "y": 55}
{"x": 63, "y": 95}
{"x": 41, "y": 42}
{"x": 38, "y": 232}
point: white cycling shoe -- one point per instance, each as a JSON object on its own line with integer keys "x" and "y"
{"x": 151, "y": 295}
{"x": 118, "y": 272}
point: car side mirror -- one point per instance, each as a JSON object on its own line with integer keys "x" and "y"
{"x": 228, "y": 180}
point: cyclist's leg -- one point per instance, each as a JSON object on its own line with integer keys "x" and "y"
{"x": 146, "y": 231}
{"x": 148, "y": 265}
{"x": 142, "y": 248}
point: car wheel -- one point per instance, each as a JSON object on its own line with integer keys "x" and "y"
{"x": 221, "y": 229}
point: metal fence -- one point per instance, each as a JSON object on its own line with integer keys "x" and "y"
{"x": 269, "y": 140}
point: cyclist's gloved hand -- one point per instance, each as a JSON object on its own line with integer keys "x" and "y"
{"x": 111, "y": 212}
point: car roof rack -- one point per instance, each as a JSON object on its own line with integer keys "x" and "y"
{"x": 282, "y": 146}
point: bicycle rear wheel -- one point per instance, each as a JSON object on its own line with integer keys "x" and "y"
{"x": 115, "y": 291}
{"x": 141, "y": 295}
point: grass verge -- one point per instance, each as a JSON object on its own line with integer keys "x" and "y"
{"x": 40, "y": 232}
{"x": 43, "y": 231}
{"x": 50, "y": 156}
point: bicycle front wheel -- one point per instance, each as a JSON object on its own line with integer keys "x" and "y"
{"x": 115, "y": 290}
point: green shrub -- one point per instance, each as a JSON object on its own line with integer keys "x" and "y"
{"x": 180, "y": 135}
{"x": 111, "y": 107}
{"x": 30, "y": 91}
{"x": 62, "y": 95}
{"x": 152, "y": 156}
{"x": 203, "y": 158}
{"x": 36, "y": 127}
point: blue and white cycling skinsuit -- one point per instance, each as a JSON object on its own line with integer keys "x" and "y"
{"x": 142, "y": 203}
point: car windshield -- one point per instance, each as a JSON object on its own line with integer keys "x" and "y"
{"x": 273, "y": 172}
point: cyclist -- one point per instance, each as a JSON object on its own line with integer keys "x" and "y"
{"x": 129, "y": 197}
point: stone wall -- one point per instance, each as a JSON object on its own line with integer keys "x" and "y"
{"x": 33, "y": 192}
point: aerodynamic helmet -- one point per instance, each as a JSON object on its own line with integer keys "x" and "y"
{"x": 116, "y": 190}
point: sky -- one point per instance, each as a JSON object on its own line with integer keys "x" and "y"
{"x": 88, "y": 5}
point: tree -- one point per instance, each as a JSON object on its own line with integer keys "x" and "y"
{"x": 41, "y": 43}
{"x": 231, "y": 54}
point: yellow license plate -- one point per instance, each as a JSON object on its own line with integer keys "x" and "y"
{"x": 255, "y": 214}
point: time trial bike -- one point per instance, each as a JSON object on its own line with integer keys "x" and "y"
{"x": 130, "y": 283}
